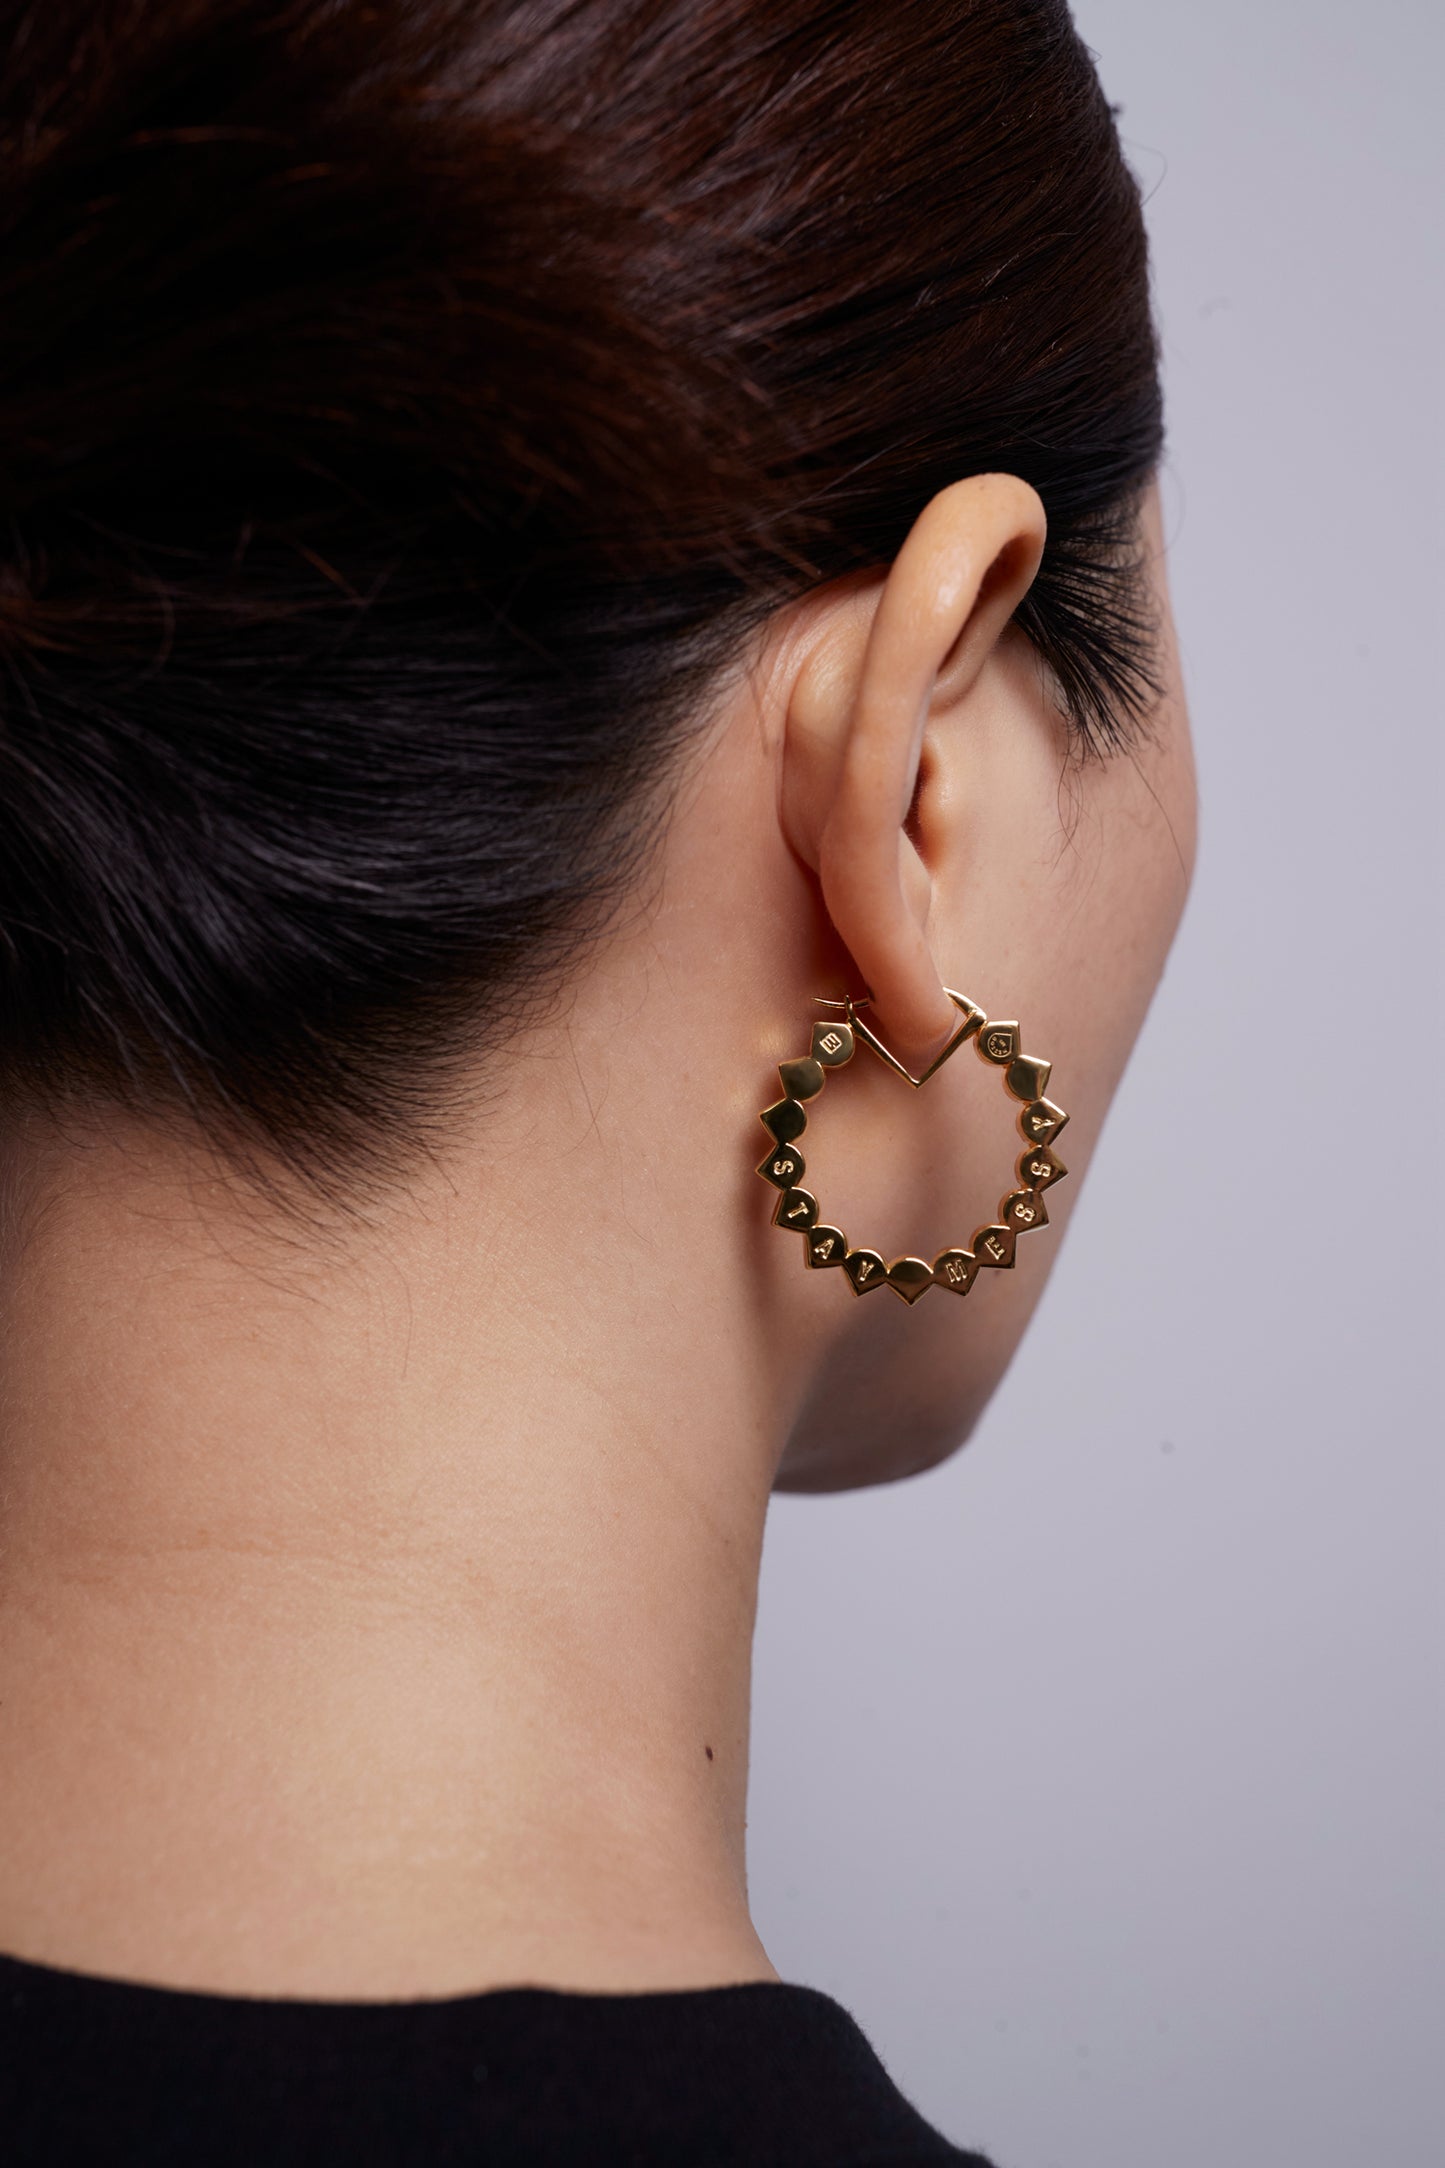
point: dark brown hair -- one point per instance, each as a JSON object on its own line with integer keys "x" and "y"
{"x": 408, "y": 407}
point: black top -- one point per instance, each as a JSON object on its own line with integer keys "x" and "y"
{"x": 755, "y": 2076}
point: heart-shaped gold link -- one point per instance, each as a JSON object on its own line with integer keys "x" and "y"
{"x": 865, "y": 1270}
{"x": 910, "y": 1277}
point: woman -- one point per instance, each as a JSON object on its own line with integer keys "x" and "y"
{"x": 551, "y": 550}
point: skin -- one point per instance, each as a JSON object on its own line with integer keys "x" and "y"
{"x": 376, "y": 1611}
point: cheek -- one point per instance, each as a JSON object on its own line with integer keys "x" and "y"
{"x": 1124, "y": 883}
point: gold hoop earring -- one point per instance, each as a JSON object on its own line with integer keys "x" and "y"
{"x": 833, "y": 1045}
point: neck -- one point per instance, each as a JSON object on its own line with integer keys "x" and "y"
{"x": 375, "y": 1624}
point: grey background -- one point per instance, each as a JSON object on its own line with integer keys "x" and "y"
{"x": 1100, "y": 1773}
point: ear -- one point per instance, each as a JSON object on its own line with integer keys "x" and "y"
{"x": 872, "y": 657}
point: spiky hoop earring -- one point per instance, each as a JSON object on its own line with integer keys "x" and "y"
{"x": 833, "y": 1045}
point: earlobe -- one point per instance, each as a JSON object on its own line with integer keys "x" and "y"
{"x": 854, "y": 776}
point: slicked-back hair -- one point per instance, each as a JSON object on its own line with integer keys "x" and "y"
{"x": 408, "y": 408}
